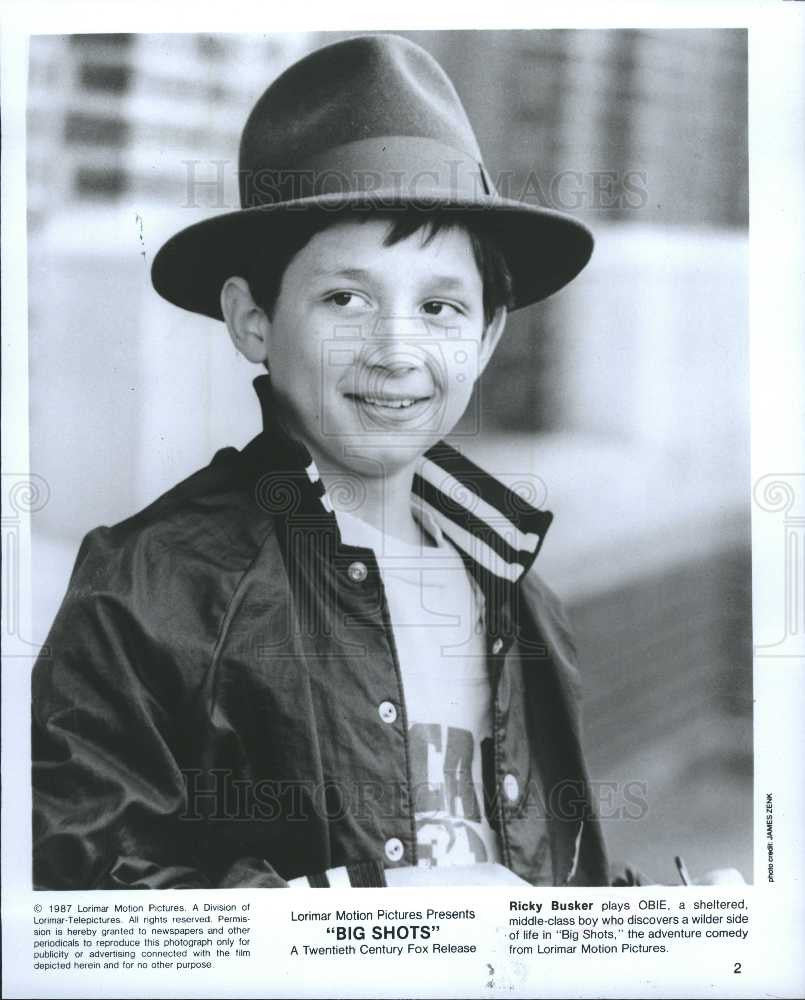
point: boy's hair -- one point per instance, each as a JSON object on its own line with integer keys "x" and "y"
{"x": 265, "y": 278}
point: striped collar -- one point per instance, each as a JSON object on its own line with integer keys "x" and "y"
{"x": 497, "y": 532}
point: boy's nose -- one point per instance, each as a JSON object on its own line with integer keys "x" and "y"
{"x": 397, "y": 345}
{"x": 392, "y": 371}
{"x": 394, "y": 363}
{"x": 401, "y": 329}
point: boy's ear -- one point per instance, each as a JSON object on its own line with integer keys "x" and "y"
{"x": 248, "y": 325}
{"x": 491, "y": 338}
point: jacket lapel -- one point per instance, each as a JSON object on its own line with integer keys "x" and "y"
{"x": 498, "y": 533}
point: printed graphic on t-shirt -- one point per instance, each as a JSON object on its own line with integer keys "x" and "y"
{"x": 452, "y": 827}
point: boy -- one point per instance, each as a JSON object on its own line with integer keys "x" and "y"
{"x": 325, "y": 660}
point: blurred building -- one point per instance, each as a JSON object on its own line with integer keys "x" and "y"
{"x": 113, "y": 116}
{"x": 625, "y": 397}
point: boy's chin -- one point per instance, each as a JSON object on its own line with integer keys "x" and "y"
{"x": 382, "y": 455}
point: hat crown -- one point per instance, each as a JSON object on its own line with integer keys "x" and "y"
{"x": 368, "y": 87}
{"x": 372, "y": 123}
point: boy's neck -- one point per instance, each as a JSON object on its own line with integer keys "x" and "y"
{"x": 384, "y": 502}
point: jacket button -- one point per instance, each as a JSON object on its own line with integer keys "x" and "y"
{"x": 511, "y": 788}
{"x": 357, "y": 572}
{"x": 497, "y": 645}
{"x": 387, "y": 712}
{"x": 394, "y": 849}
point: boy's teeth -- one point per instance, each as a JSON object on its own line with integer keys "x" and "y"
{"x": 395, "y": 404}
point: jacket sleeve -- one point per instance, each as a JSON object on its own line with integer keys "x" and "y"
{"x": 108, "y": 792}
{"x": 552, "y": 686}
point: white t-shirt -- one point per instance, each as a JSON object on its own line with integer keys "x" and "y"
{"x": 437, "y": 616}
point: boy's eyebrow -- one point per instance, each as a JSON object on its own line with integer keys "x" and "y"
{"x": 446, "y": 281}
{"x": 360, "y": 274}
{"x": 355, "y": 273}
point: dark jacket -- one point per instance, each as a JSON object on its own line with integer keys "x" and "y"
{"x": 206, "y": 711}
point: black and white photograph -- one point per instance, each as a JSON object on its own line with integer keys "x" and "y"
{"x": 390, "y": 497}
{"x": 357, "y": 618}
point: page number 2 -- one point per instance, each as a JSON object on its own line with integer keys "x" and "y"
{"x": 736, "y": 968}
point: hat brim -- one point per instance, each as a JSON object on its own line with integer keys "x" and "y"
{"x": 544, "y": 249}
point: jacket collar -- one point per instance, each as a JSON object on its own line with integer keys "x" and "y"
{"x": 498, "y": 533}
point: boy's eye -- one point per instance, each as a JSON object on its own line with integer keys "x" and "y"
{"x": 344, "y": 299}
{"x": 437, "y": 308}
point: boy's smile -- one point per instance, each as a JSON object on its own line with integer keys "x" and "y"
{"x": 373, "y": 349}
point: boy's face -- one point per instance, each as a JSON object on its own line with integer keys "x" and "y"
{"x": 374, "y": 350}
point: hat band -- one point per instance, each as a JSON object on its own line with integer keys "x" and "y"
{"x": 397, "y": 168}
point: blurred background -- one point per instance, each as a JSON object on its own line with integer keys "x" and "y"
{"x": 626, "y": 394}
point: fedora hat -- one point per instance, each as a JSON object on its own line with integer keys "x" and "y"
{"x": 372, "y": 122}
